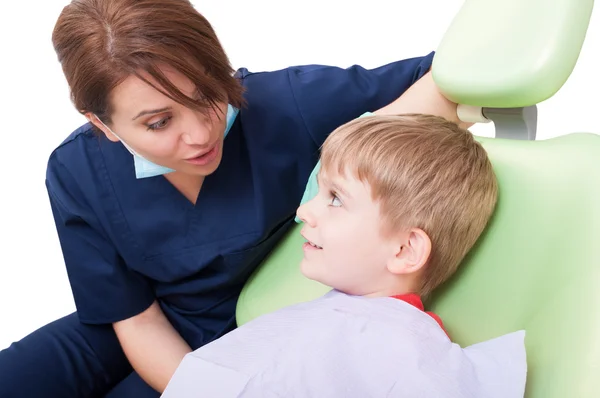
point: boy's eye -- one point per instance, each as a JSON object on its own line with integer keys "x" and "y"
{"x": 335, "y": 201}
{"x": 161, "y": 124}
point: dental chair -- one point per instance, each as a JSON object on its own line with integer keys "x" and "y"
{"x": 537, "y": 265}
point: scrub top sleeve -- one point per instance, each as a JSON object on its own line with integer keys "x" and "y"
{"x": 328, "y": 96}
{"x": 104, "y": 289}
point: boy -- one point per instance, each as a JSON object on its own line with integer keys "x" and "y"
{"x": 401, "y": 201}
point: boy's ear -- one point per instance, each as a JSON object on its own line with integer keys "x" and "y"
{"x": 412, "y": 252}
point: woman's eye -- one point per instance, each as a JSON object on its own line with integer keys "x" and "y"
{"x": 161, "y": 124}
{"x": 335, "y": 201}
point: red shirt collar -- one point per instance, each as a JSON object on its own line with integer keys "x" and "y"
{"x": 415, "y": 300}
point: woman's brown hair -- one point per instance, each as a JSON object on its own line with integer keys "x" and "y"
{"x": 100, "y": 43}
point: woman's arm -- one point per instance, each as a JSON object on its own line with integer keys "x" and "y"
{"x": 424, "y": 97}
{"x": 327, "y": 97}
{"x": 152, "y": 346}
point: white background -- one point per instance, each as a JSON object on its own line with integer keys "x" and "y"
{"x": 260, "y": 35}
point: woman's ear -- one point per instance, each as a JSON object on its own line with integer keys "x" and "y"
{"x": 414, "y": 249}
{"x": 101, "y": 126}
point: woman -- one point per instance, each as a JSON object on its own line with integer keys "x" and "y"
{"x": 185, "y": 177}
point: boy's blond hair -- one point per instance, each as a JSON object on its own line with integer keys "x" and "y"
{"x": 425, "y": 172}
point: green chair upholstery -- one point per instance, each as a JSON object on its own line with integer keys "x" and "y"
{"x": 537, "y": 265}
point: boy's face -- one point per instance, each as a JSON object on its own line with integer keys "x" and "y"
{"x": 343, "y": 226}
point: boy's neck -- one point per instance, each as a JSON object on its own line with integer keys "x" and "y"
{"x": 399, "y": 287}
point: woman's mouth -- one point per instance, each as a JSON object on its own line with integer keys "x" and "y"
{"x": 205, "y": 158}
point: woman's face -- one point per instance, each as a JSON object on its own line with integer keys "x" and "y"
{"x": 164, "y": 131}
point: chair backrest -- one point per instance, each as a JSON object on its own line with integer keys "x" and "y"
{"x": 537, "y": 266}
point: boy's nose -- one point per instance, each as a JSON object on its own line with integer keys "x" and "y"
{"x": 305, "y": 214}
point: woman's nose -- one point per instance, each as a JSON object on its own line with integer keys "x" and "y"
{"x": 196, "y": 132}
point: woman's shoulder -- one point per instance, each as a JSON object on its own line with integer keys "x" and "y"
{"x": 77, "y": 162}
{"x": 271, "y": 109}
{"x": 69, "y": 150}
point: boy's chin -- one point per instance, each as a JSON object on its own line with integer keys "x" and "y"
{"x": 314, "y": 273}
{"x": 305, "y": 268}
{"x": 310, "y": 270}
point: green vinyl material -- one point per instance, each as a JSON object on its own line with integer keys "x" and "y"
{"x": 537, "y": 266}
{"x": 510, "y": 53}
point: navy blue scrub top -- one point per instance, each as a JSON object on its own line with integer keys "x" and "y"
{"x": 127, "y": 242}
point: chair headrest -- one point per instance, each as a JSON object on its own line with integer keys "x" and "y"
{"x": 510, "y": 53}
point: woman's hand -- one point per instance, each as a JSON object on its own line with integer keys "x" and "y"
{"x": 424, "y": 97}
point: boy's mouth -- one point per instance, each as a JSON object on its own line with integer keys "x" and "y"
{"x": 310, "y": 244}
{"x": 314, "y": 245}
